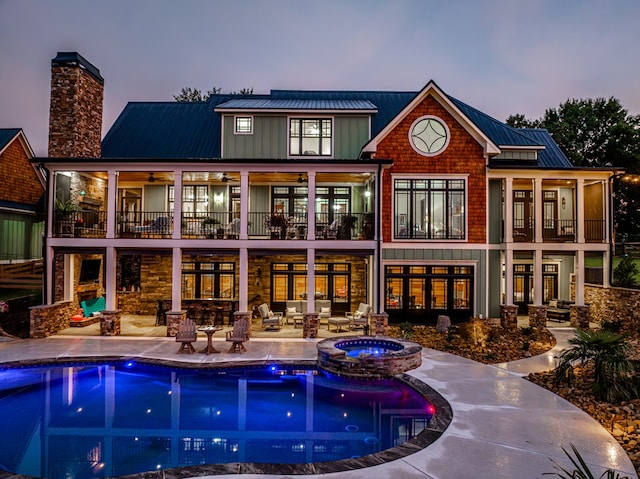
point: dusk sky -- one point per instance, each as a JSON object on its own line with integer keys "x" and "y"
{"x": 500, "y": 56}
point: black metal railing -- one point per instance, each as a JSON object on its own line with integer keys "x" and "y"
{"x": 563, "y": 231}
{"x": 80, "y": 224}
{"x": 144, "y": 224}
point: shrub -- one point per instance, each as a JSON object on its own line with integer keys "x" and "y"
{"x": 608, "y": 353}
{"x": 581, "y": 470}
{"x": 407, "y": 331}
{"x": 624, "y": 274}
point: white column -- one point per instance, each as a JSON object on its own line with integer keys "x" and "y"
{"x": 311, "y": 206}
{"x": 176, "y": 279}
{"x": 508, "y": 276}
{"x": 538, "y": 206}
{"x": 112, "y": 203}
{"x": 580, "y": 211}
{"x": 311, "y": 280}
{"x": 243, "y": 297}
{"x": 177, "y": 210}
{"x": 110, "y": 266}
{"x": 537, "y": 277}
{"x": 508, "y": 211}
{"x": 244, "y": 205}
{"x": 579, "y": 273}
{"x": 606, "y": 269}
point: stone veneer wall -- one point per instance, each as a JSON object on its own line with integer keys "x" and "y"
{"x": 614, "y": 304}
{"x": 47, "y": 320}
{"x": 75, "y": 115}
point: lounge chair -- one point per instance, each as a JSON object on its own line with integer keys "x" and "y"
{"x": 360, "y": 317}
{"x": 295, "y": 311}
{"x": 186, "y": 335}
{"x": 160, "y": 226}
{"x": 239, "y": 334}
{"x": 323, "y": 308}
{"x": 270, "y": 320}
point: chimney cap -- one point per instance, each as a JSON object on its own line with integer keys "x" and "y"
{"x": 75, "y": 59}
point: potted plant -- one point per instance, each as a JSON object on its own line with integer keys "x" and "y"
{"x": 64, "y": 212}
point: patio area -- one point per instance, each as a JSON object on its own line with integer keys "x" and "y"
{"x": 503, "y": 425}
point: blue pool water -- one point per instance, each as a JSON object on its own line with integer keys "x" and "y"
{"x": 100, "y": 420}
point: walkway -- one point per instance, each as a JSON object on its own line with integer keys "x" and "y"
{"x": 503, "y": 425}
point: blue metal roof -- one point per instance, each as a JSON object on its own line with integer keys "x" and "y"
{"x": 7, "y": 135}
{"x": 296, "y": 104}
{"x": 552, "y": 156}
{"x": 167, "y": 130}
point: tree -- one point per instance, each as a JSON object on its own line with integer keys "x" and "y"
{"x": 598, "y": 133}
{"x": 625, "y": 273}
{"x": 188, "y": 94}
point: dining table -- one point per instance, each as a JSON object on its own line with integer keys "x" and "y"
{"x": 210, "y": 331}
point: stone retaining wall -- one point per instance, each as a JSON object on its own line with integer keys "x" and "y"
{"x": 614, "y": 304}
{"x": 46, "y": 320}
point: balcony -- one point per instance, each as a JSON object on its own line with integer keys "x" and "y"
{"x": 559, "y": 231}
{"x": 80, "y": 224}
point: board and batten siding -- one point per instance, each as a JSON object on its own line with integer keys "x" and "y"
{"x": 270, "y": 137}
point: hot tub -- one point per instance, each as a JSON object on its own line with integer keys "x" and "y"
{"x": 368, "y": 356}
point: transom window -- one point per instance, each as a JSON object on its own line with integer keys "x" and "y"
{"x": 243, "y": 125}
{"x": 310, "y": 136}
{"x": 429, "y": 209}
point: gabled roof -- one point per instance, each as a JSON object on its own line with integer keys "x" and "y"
{"x": 191, "y": 130}
{"x": 7, "y": 135}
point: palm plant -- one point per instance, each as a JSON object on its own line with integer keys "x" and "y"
{"x": 608, "y": 352}
{"x": 581, "y": 470}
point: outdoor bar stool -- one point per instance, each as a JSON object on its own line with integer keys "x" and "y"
{"x": 205, "y": 317}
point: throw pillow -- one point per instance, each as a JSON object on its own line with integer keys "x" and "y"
{"x": 357, "y": 315}
{"x": 553, "y": 303}
{"x": 324, "y": 310}
{"x": 291, "y": 310}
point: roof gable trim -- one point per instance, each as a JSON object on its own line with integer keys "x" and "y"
{"x": 431, "y": 89}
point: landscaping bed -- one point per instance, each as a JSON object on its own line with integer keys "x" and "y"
{"x": 492, "y": 344}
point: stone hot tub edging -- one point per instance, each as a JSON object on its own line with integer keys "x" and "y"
{"x": 335, "y": 360}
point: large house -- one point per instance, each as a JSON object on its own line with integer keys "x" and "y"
{"x": 412, "y": 202}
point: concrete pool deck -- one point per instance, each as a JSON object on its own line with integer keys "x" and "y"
{"x": 503, "y": 426}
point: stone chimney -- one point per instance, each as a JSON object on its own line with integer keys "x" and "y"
{"x": 75, "y": 115}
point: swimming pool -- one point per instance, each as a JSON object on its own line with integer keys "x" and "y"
{"x": 79, "y": 421}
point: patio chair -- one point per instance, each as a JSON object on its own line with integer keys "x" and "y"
{"x": 270, "y": 319}
{"x": 360, "y": 317}
{"x": 323, "y": 308}
{"x": 186, "y": 335}
{"x": 239, "y": 334}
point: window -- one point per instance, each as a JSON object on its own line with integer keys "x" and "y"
{"x": 243, "y": 125}
{"x": 195, "y": 200}
{"x": 429, "y": 209}
{"x": 208, "y": 280}
{"x": 310, "y": 137}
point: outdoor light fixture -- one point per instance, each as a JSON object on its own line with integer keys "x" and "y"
{"x": 258, "y": 276}
{"x": 564, "y": 203}
{"x": 301, "y": 179}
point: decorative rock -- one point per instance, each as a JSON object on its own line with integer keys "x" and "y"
{"x": 443, "y": 323}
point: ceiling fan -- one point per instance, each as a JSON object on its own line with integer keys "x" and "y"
{"x": 225, "y": 179}
{"x": 152, "y": 178}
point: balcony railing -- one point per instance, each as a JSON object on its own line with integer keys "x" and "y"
{"x": 145, "y": 224}
{"x": 80, "y": 224}
{"x": 559, "y": 231}
{"x": 594, "y": 231}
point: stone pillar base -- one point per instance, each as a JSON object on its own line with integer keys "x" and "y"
{"x": 379, "y": 323}
{"x": 580, "y": 316}
{"x": 538, "y": 316}
{"x": 174, "y": 318}
{"x": 509, "y": 316}
{"x": 110, "y": 323}
{"x": 310, "y": 325}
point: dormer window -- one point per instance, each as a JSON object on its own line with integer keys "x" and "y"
{"x": 310, "y": 137}
{"x": 243, "y": 125}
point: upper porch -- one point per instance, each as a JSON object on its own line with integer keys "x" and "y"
{"x": 218, "y": 205}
